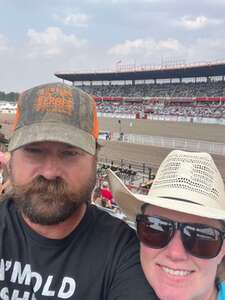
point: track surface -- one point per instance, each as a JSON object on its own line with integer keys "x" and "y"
{"x": 147, "y": 154}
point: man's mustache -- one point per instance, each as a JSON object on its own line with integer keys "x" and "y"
{"x": 42, "y": 185}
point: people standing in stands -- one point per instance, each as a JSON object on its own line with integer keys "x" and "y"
{"x": 54, "y": 243}
{"x": 181, "y": 228}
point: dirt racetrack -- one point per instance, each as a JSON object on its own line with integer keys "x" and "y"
{"x": 187, "y": 130}
{"x": 150, "y": 155}
{"x": 154, "y": 155}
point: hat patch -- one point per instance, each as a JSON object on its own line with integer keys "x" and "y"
{"x": 54, "y": 100}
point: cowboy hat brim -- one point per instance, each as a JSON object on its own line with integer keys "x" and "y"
{"x": 130, "y": 203}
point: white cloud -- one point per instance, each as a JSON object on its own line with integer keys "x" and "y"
{"x": 146, "y": 47}
{"x": 214, "y": 2}
{"x": 75, "y": 19}
{"x": 52, "y": 42}
{"x": 3, "y": 43}
{"x": 150, "y": 51}
{"x": 122, "y": 1}
{"x": 108, "y": 1}
{"x": 70, "y": 46}
{"x": 191, "y": 23}
{"x": 199, "y": 22}
{"x": 206, "y": 49}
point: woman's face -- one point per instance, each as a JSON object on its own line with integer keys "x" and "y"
{"x": 175, "y": 274}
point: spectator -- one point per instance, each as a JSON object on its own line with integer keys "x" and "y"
{"x": 180, "y": 225}
{"x": 106, "y": 195}
{"x": 54, "y": 243}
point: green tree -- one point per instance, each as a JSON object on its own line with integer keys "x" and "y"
{"x": 12, "y": 96}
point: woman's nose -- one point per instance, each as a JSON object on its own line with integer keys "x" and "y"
{"x": 175, "y": 249}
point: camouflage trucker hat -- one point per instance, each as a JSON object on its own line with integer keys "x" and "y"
{"x": 56, "y": 112}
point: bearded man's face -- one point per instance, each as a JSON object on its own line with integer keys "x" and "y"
{"x": 51, "y": 180}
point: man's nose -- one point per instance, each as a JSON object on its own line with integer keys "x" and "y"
{"x": 51, "y": 168}
{"x": 175, "y": 249}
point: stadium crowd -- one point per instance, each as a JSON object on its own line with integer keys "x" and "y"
{"x": 189, "y": 89}
{"x": 160, "y": 99}
{"x": 163, "y": 107}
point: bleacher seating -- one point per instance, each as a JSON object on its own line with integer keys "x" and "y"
{"x": 189, "y": 89}
{"x": 157, "y": 99}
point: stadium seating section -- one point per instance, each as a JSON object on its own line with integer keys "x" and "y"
{"x": 192, "y": 99}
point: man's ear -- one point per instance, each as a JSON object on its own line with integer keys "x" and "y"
{"x": 4, "y": 158}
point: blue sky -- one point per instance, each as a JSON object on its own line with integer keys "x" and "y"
{"x": 39, "y": 38}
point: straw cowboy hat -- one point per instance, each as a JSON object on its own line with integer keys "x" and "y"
{"x": 187, "y": 182}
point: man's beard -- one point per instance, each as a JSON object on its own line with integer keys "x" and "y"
{"x": 49, "y": 202}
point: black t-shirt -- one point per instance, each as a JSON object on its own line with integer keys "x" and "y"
{"x": 99, "y": 260}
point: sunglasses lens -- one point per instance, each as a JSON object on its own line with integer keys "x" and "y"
{"x": 203, "y": 242}
{"x": 153, "y": 231}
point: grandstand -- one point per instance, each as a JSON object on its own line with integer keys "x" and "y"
{"x": 193, "y": 93}
{"x": 138, "y": 105}
{"x": 163, "y": 90}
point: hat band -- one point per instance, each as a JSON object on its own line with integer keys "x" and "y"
{"x": 182, "y": 200}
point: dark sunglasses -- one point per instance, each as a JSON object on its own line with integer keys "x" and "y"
{"x": 199, "y": 240}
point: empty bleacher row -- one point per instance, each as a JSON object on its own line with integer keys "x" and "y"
{"x": 136, "y": 175}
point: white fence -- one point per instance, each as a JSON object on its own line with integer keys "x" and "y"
{"x": 173, "y": 143}
{"x": 201, "y": 120}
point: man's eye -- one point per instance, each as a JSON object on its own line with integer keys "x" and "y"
{"x": 32, "y": 150}
{"x": 70, "y": 153}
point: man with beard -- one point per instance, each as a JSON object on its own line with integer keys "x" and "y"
{"x": 53, "y": 243}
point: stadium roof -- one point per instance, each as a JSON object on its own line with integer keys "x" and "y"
{"x": 154, "y": 73}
